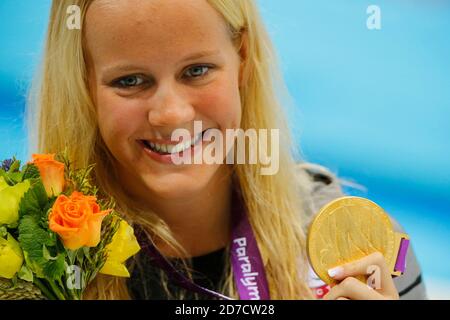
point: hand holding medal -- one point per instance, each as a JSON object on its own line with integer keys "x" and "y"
{"x": 353, "y": 247}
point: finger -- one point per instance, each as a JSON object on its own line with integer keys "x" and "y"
{"x": 352, "y": 289}
{"x": 358, "y": 267}
{"x": 374, "y": 265}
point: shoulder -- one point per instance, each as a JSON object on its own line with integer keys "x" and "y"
{"x": 319, "y": 185}
{"x": 323, "y": 186}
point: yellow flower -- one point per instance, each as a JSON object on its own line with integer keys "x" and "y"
{"x": 9, "y": 200}
{"x": 123, "y": 246}
{"x": 11, "y": 257}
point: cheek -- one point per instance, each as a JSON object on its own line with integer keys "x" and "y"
{"x": 221, "y": 103}
{"x": 118, "y": 118}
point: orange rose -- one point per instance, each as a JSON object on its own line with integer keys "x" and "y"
{"x": 52, "y": 173}
{"x": 77, "y": 220}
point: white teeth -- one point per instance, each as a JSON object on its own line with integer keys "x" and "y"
{"x": 170, "y": 148}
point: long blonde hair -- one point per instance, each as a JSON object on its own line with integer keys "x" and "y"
{"x": 62, "y": 115}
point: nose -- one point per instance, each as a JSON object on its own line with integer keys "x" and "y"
{"x": 169, "y": 106}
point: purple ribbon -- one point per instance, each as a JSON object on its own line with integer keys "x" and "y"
{"x": 174, "y": 275}
{"x": 400, "y": 264}
{"x": 248, "y": 268}
{"x": 246, "y": 261}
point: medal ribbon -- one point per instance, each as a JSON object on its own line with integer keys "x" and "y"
{"x": 247, "y": 265}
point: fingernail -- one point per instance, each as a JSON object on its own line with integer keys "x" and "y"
{"x": 335, "y": 272}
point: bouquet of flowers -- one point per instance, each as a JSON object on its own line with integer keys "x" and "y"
{"x": 55, "y": 235}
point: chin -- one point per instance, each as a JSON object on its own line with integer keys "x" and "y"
{"x": 183, "y": 184}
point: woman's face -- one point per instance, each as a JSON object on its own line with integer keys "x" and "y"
{"x": 156, "y": 66}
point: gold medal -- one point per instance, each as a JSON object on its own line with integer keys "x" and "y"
{"x": 350, "y": 228}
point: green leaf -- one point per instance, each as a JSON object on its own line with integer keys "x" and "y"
{"x": 34, "y": 201}
{"x": 8, "y": 180}
{"x": 3, "y": 232}
{"x": 80, "y": 256}
{"x": 15, "y": 177}
{"x": 29, "y": 205}
{"x": 15, "y": 166}
{"x": 55, "y": 268}
{"x": 13, "y": 225}
{"x": 47, "y": 255}
{"x": 72, "y": 255}
{"x": 39, "y": 244}
{"x": 40, "y": 194}
{"x": 30, "y": 171}
{"x": 86, "y": 253}
{"x": 25, "y": 274}
{"x": 32, "y": 239}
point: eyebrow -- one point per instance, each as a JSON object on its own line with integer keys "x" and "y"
{"x": 122, "y": 67}
{"x": 200, "y": 54}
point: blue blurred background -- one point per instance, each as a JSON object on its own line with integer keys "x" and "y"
{"x": 372, "y": 105}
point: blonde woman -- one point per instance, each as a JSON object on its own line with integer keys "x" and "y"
{"x": 115, "y": 90}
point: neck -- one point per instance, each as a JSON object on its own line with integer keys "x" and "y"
{"x": 201, "y": 222}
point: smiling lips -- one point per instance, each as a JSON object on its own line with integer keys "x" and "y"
{"x": 165, "y": 149}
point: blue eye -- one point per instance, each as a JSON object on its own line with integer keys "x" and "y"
{"x": 197, "y": 71}
{"x": 129, "y": 82}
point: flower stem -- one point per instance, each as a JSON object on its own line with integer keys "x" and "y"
{"x": 44, "y": 289}
{"x": 57, "y": 291}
